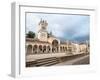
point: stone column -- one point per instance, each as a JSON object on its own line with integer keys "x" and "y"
{"x": 37, "y": 49}
{"x": 46, "y": 49}
{"x": 26, "y": 49}
{"x": 32, "y": 50}
{"x": 50, "y": 49}
{"x": 59, "y": 49}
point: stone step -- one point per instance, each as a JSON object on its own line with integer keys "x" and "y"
{"x": 52, "y": 63}
{"x": 46, "y": 59}
{"x": 52, "y": 60}
{"x": 31, "y": 64}
{"x": 47, "y": 62}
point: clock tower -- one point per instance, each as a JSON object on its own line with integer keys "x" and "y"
{"x": 42, "y": 30}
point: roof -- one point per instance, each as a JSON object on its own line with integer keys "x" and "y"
{"x": 35, "y": 40}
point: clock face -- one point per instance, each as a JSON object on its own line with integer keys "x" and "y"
{"x": 42, "y": 36}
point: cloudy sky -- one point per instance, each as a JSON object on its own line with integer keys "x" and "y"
{"x": 70, "y": 27}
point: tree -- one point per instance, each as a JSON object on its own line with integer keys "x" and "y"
{"x": 49, "y": 34}
{"x": 30, "y": 34}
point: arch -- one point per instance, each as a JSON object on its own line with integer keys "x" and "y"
{"x": 48, "y": 49}
{"x": 40, "y": 49}
{"x": 54, "y": 46}
{"x": 53, "y": 50}
{"x": 35, "y": 47}
{"x": 65, "y": 48}
{"x": 44, "y": 49}
{"x": 29, "y": 49}
{"x": 69, "y": 48}
{"x": 54, "y": 43}
{"x": 60, "y": 49}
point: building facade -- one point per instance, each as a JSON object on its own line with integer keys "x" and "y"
{"x": 45, "y": 43}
